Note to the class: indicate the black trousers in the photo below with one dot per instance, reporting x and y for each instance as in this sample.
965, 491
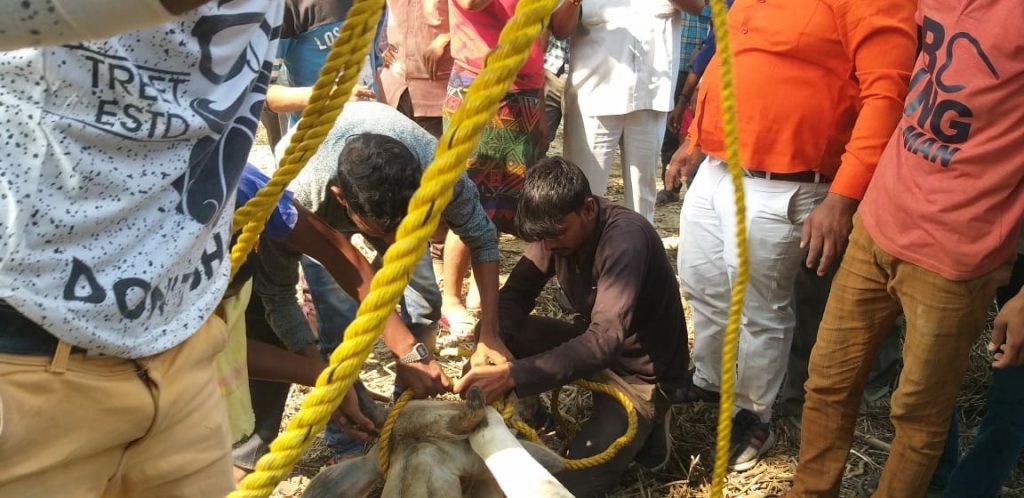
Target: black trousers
607, 420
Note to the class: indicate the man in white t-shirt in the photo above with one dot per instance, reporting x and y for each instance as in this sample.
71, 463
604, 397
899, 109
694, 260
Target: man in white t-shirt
120, 159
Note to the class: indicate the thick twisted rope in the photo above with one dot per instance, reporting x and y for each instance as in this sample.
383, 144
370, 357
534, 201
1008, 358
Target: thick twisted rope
454, 148
507, 409
732, 327
384, 442
332, 89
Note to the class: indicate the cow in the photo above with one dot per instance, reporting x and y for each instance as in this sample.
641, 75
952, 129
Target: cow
447, 449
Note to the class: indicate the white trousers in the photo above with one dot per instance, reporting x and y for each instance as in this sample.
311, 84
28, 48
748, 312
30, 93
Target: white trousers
591, 142
775, 214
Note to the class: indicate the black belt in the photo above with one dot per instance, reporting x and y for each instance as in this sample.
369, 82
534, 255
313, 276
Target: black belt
19, 335
801, 176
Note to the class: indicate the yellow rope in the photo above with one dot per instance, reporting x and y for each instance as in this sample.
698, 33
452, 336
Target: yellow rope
507, 409
332, 89
620, 442
454, 148
732, 328
329, 95
384, 442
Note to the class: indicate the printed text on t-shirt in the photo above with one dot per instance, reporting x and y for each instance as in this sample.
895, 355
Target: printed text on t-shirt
943, 122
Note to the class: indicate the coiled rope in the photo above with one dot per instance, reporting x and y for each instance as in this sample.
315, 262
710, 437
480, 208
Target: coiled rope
507, 408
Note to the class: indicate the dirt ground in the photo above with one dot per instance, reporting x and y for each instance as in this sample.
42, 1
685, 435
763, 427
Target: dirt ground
693, 431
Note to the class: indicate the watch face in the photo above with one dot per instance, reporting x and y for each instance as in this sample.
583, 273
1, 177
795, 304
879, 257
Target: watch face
421, 350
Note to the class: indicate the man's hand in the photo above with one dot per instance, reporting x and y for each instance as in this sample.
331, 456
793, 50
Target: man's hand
434, 52
675, 118
1007, 343
682, 165
827, 230
360, 92
351, 419
425, 379
493, 380
390, 55
490, 354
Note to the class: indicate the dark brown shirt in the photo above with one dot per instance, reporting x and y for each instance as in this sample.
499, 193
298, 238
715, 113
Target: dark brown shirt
622, 284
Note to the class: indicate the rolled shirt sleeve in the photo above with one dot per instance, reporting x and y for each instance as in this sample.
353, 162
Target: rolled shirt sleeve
275, 284
466, 217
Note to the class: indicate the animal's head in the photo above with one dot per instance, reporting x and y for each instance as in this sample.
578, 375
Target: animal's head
430, 421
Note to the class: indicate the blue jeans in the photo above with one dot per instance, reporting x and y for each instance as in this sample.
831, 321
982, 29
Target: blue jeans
985, 467
335, 309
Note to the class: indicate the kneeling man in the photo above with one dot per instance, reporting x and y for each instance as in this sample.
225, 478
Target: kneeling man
611, 264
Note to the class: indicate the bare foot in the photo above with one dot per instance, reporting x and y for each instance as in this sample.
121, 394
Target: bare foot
459, 321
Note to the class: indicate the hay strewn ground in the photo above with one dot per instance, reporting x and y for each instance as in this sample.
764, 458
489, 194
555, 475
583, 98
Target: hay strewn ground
693, 432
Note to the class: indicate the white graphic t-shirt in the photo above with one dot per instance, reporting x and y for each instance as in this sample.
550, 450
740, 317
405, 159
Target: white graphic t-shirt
118, 170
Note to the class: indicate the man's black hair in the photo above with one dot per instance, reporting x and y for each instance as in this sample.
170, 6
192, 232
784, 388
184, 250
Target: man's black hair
378, 175
553, 188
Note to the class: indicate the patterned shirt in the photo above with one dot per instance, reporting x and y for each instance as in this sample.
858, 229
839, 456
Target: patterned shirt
695, 28
119, 171
556, 56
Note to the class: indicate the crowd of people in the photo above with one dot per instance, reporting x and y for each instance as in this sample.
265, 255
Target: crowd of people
879, 144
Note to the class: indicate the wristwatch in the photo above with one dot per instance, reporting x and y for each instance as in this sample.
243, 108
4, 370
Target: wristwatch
419, 353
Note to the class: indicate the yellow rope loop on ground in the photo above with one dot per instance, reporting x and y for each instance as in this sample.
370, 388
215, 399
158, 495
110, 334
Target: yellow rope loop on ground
507, 407
384, 442
631, 427
730, 344
332, 89
454, 148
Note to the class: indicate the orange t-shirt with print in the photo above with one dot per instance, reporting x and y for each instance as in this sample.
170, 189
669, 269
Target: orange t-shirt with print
948, 193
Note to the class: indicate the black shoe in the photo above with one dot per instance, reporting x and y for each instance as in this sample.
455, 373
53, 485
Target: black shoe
666, 197
657, 449
690, 393
751, 438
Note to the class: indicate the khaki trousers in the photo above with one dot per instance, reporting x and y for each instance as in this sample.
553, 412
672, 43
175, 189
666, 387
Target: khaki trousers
944, 318
77, 426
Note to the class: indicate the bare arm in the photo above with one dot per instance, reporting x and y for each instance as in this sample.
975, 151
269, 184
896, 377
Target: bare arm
565, 18
349, 268
270, 363
178, 7
473, 4
71, 21
692, 7
353, 274
282, 98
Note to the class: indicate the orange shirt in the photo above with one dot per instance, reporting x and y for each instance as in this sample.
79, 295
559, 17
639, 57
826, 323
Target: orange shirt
819, 86
949, 192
